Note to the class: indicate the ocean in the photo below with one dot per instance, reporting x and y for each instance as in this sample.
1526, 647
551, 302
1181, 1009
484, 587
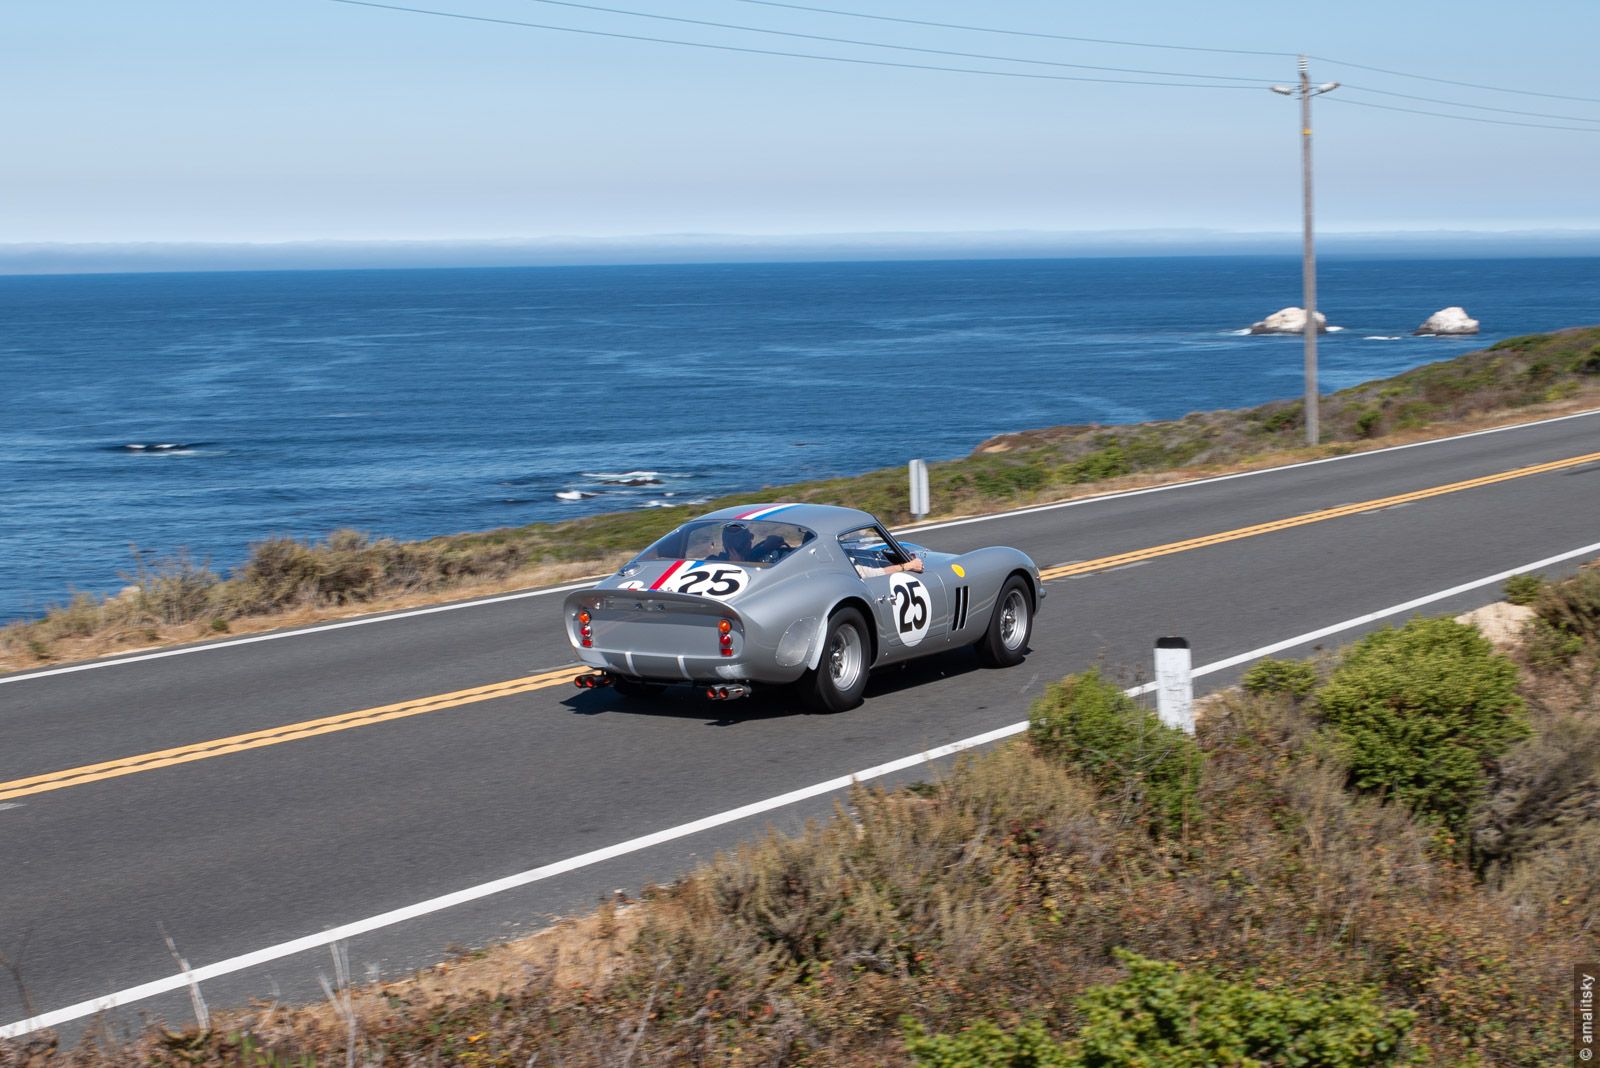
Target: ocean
201, 412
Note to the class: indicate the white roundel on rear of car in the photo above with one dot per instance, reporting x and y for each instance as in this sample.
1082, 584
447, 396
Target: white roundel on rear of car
911, 607
709, 579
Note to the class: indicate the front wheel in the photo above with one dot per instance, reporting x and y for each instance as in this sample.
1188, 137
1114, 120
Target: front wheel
840, 677
1010, 627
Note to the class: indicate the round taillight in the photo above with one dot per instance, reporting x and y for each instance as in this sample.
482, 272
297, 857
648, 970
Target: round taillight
724, 626
727, 641
583, 617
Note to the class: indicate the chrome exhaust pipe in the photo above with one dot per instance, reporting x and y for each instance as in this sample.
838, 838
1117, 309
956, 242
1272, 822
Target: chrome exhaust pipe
727, 693
589, 682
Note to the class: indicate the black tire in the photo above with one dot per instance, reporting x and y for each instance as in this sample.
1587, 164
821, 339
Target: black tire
1010, 626
635, 690
841, 676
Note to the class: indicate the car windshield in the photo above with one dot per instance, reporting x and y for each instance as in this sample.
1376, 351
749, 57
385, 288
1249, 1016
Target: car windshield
751, 542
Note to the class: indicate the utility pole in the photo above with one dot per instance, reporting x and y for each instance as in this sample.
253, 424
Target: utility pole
1308, 269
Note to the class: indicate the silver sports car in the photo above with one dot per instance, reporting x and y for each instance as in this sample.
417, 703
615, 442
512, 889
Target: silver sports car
807, 594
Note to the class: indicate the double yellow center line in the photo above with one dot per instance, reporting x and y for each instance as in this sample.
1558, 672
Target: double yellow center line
57, 780
166, 758
1106, 563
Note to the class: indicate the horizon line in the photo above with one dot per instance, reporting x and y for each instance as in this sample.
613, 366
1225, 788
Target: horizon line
124, 257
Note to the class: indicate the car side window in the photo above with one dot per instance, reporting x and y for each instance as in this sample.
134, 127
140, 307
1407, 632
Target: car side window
868, 547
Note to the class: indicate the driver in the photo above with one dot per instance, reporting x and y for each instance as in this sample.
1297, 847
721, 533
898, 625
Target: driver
739, 544
736, 542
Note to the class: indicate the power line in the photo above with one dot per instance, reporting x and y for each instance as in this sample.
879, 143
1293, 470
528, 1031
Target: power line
895, 47
1014, 33
1475, 107
1148, 44
1461, 118
789, 55
1447, 81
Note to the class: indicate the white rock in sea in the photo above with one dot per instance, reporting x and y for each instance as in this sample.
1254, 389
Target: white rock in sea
1448, 321
1288, 321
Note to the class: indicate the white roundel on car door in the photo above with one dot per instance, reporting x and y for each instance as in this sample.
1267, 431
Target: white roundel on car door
911, 606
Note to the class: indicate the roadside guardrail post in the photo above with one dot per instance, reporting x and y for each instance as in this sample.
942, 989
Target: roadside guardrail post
1174, 684
919, 489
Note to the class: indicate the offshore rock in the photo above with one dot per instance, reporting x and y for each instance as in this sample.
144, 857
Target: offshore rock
1288, 321
1448, 321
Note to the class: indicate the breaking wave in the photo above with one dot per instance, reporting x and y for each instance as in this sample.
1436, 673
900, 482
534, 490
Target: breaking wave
169, 448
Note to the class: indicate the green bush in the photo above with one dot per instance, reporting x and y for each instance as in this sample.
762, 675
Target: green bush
1523, 589
1162, 1016
983, 1045
1421, 712
1270, 676
1099, 465
1087, 723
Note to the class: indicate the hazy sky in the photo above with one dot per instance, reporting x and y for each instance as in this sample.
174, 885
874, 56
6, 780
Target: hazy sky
248, 120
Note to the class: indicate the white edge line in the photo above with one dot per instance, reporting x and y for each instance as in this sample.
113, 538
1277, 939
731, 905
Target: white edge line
584, 860
1076, 502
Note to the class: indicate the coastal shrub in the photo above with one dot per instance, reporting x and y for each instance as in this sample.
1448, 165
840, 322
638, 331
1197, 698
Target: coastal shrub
1546, 794
1555, 882
1540, 372
1278, 417
1292, 677
983, 1045
1166, 1016
1087, 723
1522, 589
1366, 422
1109, 462
1572, 606
171, 589
1420, 714
1548, 648
1007, 477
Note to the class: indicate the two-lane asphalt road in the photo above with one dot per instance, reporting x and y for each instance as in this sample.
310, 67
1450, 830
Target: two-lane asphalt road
431, 778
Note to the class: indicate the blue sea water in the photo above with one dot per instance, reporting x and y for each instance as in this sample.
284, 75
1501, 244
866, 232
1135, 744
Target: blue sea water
205, 411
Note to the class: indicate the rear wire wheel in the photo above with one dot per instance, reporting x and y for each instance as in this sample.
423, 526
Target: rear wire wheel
840, 677
1010, 626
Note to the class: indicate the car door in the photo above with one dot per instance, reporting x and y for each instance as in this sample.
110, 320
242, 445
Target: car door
909, 608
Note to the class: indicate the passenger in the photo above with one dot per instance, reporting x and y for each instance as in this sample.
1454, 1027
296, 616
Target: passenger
914, 565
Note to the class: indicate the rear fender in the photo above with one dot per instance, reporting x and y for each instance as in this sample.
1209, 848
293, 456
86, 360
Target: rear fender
819, 641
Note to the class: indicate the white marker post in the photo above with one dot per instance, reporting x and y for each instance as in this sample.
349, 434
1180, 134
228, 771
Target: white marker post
919, 488
1174, 684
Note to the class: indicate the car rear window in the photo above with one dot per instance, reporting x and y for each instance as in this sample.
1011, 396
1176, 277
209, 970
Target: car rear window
749, 542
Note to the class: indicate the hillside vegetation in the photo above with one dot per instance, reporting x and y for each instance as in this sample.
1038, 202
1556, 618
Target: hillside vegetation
175, 598
1381, 857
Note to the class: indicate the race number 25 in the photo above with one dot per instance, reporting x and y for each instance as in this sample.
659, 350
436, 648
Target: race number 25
913, 610
711, 581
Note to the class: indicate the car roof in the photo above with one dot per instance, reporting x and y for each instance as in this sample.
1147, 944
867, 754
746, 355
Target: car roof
826, 519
